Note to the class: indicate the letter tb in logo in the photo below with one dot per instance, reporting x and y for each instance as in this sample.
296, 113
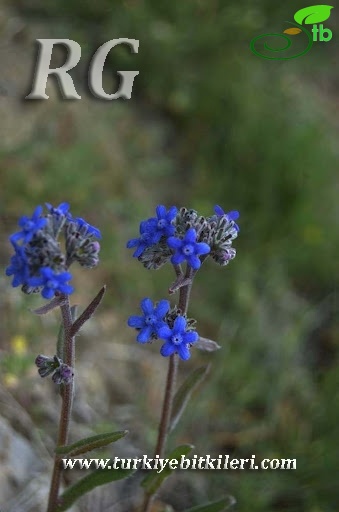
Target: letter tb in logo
313, 15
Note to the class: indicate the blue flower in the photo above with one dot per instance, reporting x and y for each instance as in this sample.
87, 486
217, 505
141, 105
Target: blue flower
90, 230
164, 220
151, 321
29, 226
18, 267
153, 229
51, 282
188, 249
177, 340
230, 216
60, 210
149, 235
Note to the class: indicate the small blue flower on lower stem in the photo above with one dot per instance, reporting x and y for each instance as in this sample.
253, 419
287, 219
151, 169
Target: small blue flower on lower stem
29, 226
188, 249
177, 340
18, 267
151, 321
231, 216
52, 282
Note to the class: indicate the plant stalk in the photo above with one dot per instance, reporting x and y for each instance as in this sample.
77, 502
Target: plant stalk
67, 391
184, 295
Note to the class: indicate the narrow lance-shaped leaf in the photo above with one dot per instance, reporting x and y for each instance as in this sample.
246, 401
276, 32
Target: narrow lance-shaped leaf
88, 312
89, 482
60, 300
153, 480
184, 393
313, 14
90, 443
215, 506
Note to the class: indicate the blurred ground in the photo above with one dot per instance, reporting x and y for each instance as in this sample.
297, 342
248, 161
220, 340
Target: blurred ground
208, 123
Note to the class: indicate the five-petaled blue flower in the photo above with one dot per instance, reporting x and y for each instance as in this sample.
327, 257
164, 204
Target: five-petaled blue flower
188, 249
177, 340
52, 282
151, 321
29, 226
153, 229
231, 216
18, 267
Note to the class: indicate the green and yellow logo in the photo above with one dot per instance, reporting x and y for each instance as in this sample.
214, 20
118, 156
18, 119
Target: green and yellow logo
313, 15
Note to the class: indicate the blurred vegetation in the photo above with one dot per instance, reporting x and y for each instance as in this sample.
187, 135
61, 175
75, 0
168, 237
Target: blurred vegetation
210, 123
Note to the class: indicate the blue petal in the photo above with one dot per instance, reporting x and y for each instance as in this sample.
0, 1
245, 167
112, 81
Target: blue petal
161, 211
179, 324
168, 349
174, 243
191, 337
164, 332
136, 321
194, 261
47, 293
162, 308
172, 212
190, 236
184, 352
147, 306
218, 210
145, 334
132, 243
177, 258
233, 215
202, 248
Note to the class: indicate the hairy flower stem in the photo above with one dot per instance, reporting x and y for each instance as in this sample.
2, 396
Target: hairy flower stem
66, 406
184, 296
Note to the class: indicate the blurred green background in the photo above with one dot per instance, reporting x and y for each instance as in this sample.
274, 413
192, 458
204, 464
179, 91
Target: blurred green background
208, 123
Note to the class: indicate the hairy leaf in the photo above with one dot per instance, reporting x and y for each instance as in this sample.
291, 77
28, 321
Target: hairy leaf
313, 14
184, 393
89, 482
90, 443
88, 312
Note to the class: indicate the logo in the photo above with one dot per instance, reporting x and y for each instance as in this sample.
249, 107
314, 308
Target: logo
313, 15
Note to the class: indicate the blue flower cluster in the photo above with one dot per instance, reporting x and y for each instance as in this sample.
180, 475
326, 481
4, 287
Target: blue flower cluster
153, 324
182, 236
38, 263
179, 236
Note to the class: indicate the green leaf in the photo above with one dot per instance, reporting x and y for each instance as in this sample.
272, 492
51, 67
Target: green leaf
184, 393
214, 506
90, 443
313, 14
153, 480
89, 482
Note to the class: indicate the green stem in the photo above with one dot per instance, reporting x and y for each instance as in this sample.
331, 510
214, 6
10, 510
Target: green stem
184, 296
66, 406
